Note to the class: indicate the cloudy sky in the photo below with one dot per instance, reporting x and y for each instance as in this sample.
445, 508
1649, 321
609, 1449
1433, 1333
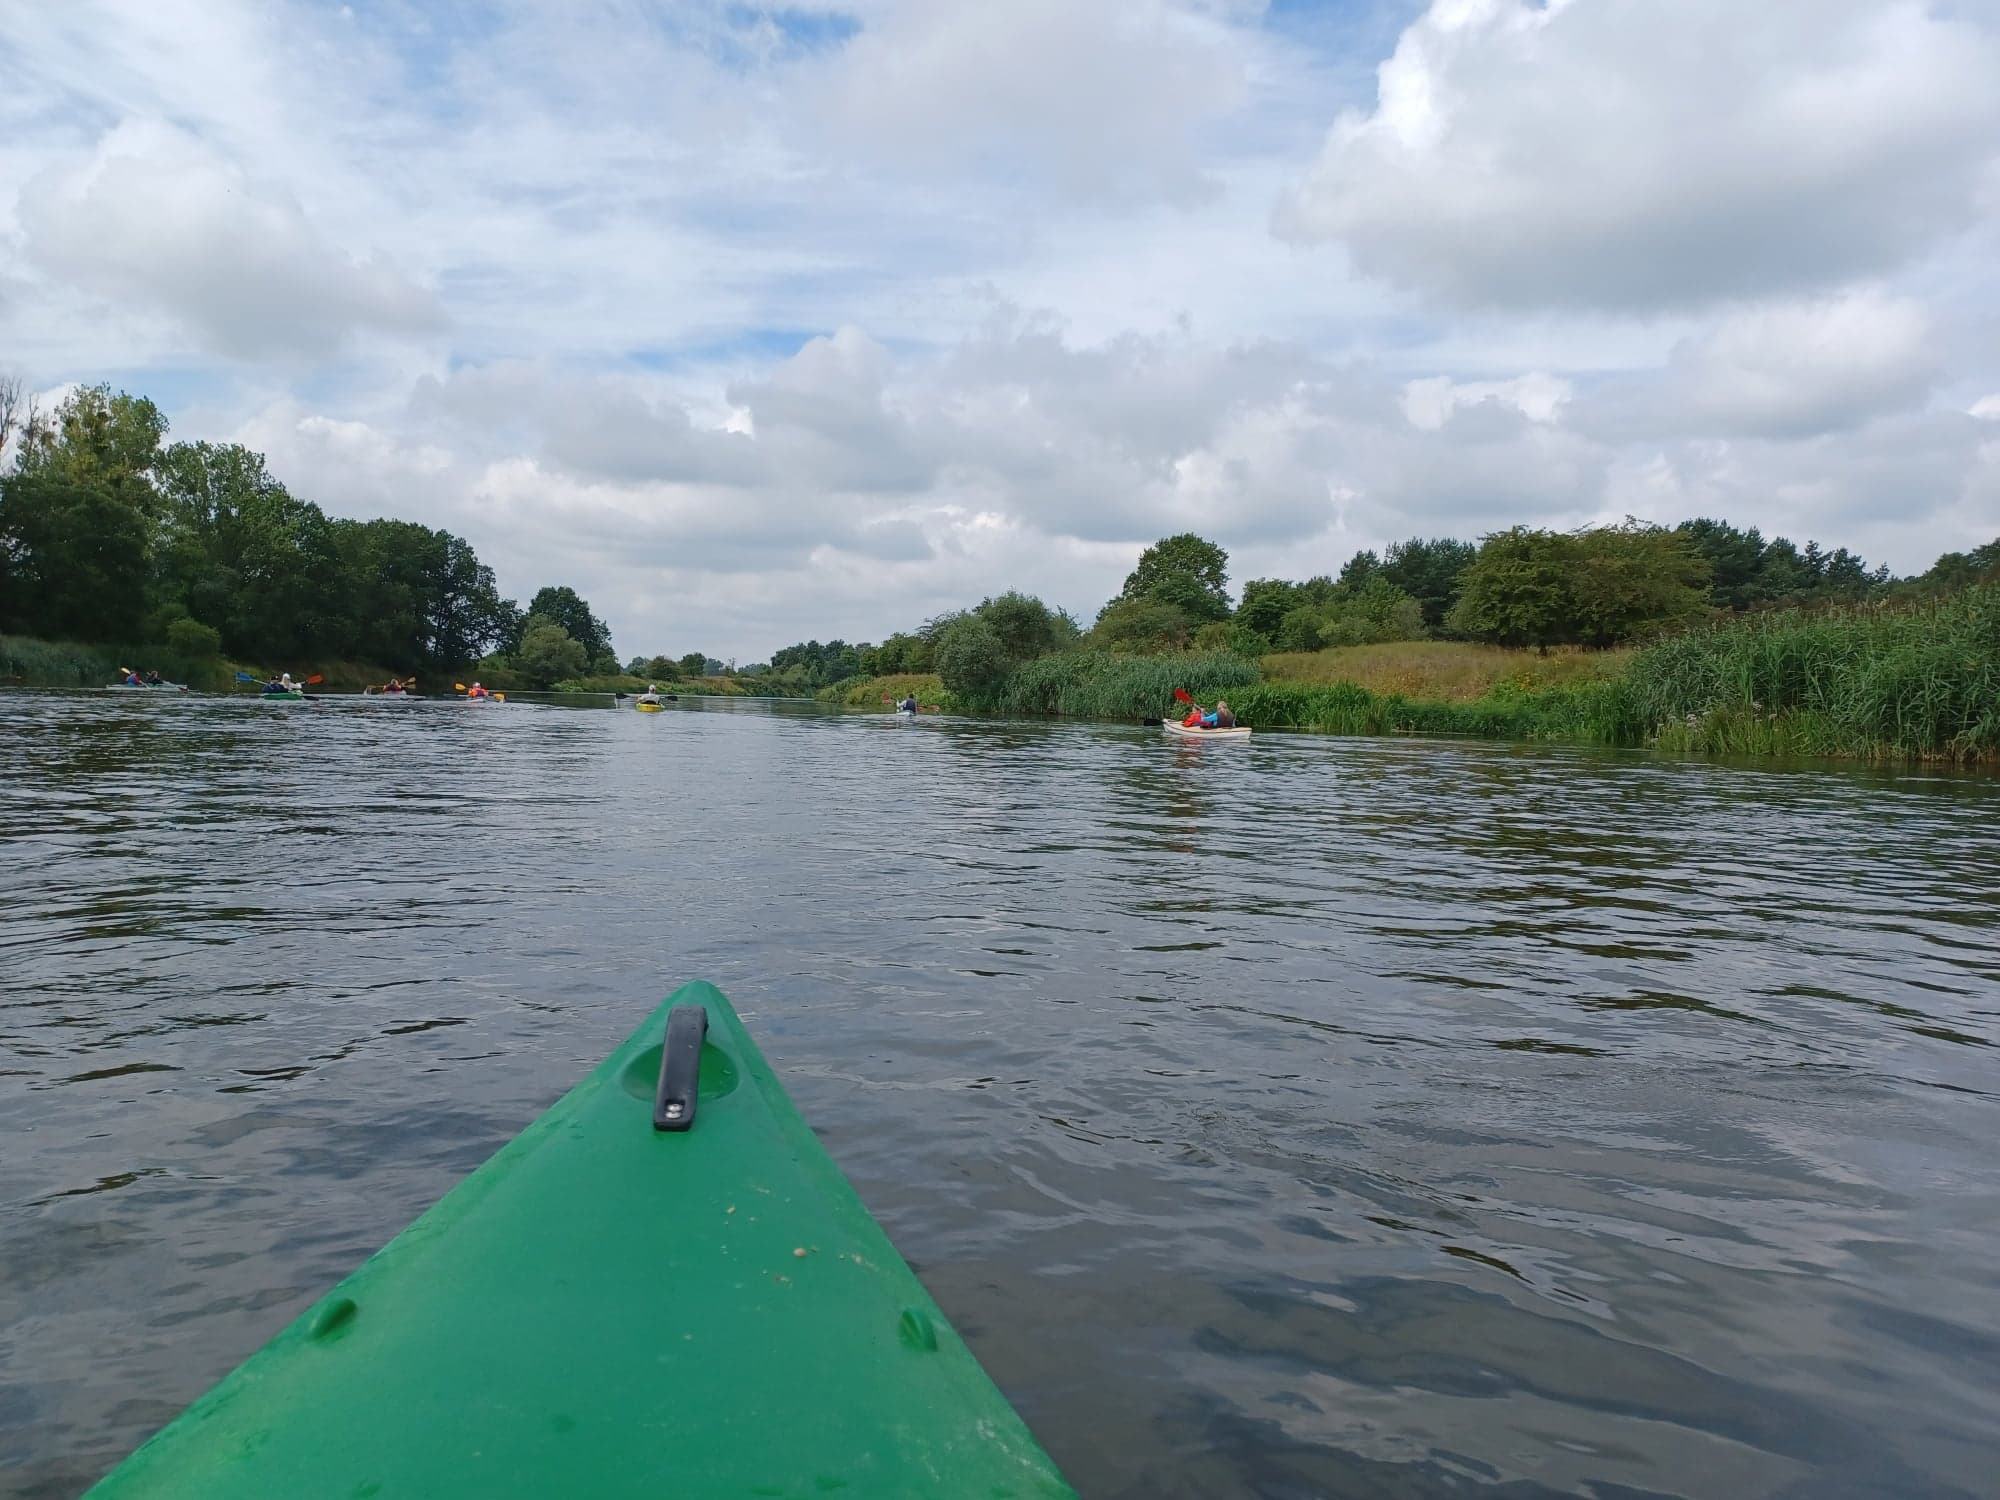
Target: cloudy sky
761, 323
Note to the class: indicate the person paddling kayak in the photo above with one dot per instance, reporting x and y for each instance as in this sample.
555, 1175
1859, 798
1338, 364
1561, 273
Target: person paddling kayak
908, 705
1219, 718
652, 693
476, 691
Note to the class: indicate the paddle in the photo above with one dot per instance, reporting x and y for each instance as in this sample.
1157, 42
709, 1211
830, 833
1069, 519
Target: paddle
316, 677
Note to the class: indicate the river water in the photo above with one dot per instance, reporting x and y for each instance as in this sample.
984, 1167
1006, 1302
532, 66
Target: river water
1306, 1117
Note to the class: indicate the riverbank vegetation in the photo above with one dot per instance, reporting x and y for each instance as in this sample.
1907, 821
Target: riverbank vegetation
1700, 637
189, 558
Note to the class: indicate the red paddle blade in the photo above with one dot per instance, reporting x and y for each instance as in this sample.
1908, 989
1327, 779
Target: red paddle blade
1181, 695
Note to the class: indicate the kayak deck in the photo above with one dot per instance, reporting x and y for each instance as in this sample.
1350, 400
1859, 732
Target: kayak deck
1181, 731
610, 1309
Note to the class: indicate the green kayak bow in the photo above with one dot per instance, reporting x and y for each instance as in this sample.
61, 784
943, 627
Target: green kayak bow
662, 1288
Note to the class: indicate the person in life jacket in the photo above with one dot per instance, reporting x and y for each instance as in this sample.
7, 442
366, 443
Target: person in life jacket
1195, 717
475, 691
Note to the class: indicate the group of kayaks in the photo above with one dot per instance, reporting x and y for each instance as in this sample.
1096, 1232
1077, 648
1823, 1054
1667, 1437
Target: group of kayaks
661, 1287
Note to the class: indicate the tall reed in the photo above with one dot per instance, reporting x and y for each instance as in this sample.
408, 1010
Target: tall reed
1103, 685
1912, 682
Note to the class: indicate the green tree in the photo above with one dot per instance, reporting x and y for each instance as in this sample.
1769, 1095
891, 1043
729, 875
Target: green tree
192, 638
1142, 626
78, 518
1359, 571
75, 559
1429, 571
1027, 628
1266, 602
1517, 591
568, 609
1185, 571
695, 663
1634, 579
547, 654
1735, 560
1596, 587
972, 660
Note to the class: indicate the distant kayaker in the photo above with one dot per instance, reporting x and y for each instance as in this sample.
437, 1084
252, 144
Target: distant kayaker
132, 680
475, 691
152, 679
652, 693
908, 705
1222, 718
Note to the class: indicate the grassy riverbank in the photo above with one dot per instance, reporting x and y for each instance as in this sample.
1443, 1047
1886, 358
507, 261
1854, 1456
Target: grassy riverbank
1444, 671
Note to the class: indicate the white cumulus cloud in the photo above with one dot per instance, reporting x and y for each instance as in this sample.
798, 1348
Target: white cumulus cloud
155, 217
1648, 154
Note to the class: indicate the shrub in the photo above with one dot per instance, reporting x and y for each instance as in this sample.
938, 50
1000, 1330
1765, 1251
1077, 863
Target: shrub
192, 638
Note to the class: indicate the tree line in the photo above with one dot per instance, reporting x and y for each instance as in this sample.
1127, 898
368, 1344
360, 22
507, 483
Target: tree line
110, 534
1524, 587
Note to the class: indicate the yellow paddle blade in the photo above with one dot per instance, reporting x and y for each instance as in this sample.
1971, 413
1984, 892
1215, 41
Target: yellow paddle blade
459, 685
499, 697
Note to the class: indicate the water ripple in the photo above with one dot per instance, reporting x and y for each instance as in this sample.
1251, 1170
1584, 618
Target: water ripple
1308, 1117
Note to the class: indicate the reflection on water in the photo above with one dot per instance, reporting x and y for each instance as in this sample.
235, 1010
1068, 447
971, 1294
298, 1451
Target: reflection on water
1302, 1117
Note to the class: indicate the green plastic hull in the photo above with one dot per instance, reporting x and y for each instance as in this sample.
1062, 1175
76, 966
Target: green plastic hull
608, 1310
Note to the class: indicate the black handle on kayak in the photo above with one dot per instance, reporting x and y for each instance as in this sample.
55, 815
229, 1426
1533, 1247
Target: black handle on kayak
680, 1068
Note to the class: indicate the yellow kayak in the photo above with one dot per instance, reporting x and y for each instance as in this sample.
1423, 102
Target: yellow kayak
650, 708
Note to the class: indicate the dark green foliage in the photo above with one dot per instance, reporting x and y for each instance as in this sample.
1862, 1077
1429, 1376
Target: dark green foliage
1958, 570
1266, 602
193, 639
1141, 625
695, 663
1026, 626
975, 651
547, 653
972, 661
809, 666
1359, 571
1746, 572
571, 611
75, 558
1597, 587
1516, 593
1429, 572
1186, 572
901, 654
105, 536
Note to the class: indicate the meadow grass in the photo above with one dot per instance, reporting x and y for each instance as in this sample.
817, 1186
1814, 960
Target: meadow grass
1443, 671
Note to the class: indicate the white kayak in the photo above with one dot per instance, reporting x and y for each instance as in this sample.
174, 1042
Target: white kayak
369, 697
1179, 731
169, 689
